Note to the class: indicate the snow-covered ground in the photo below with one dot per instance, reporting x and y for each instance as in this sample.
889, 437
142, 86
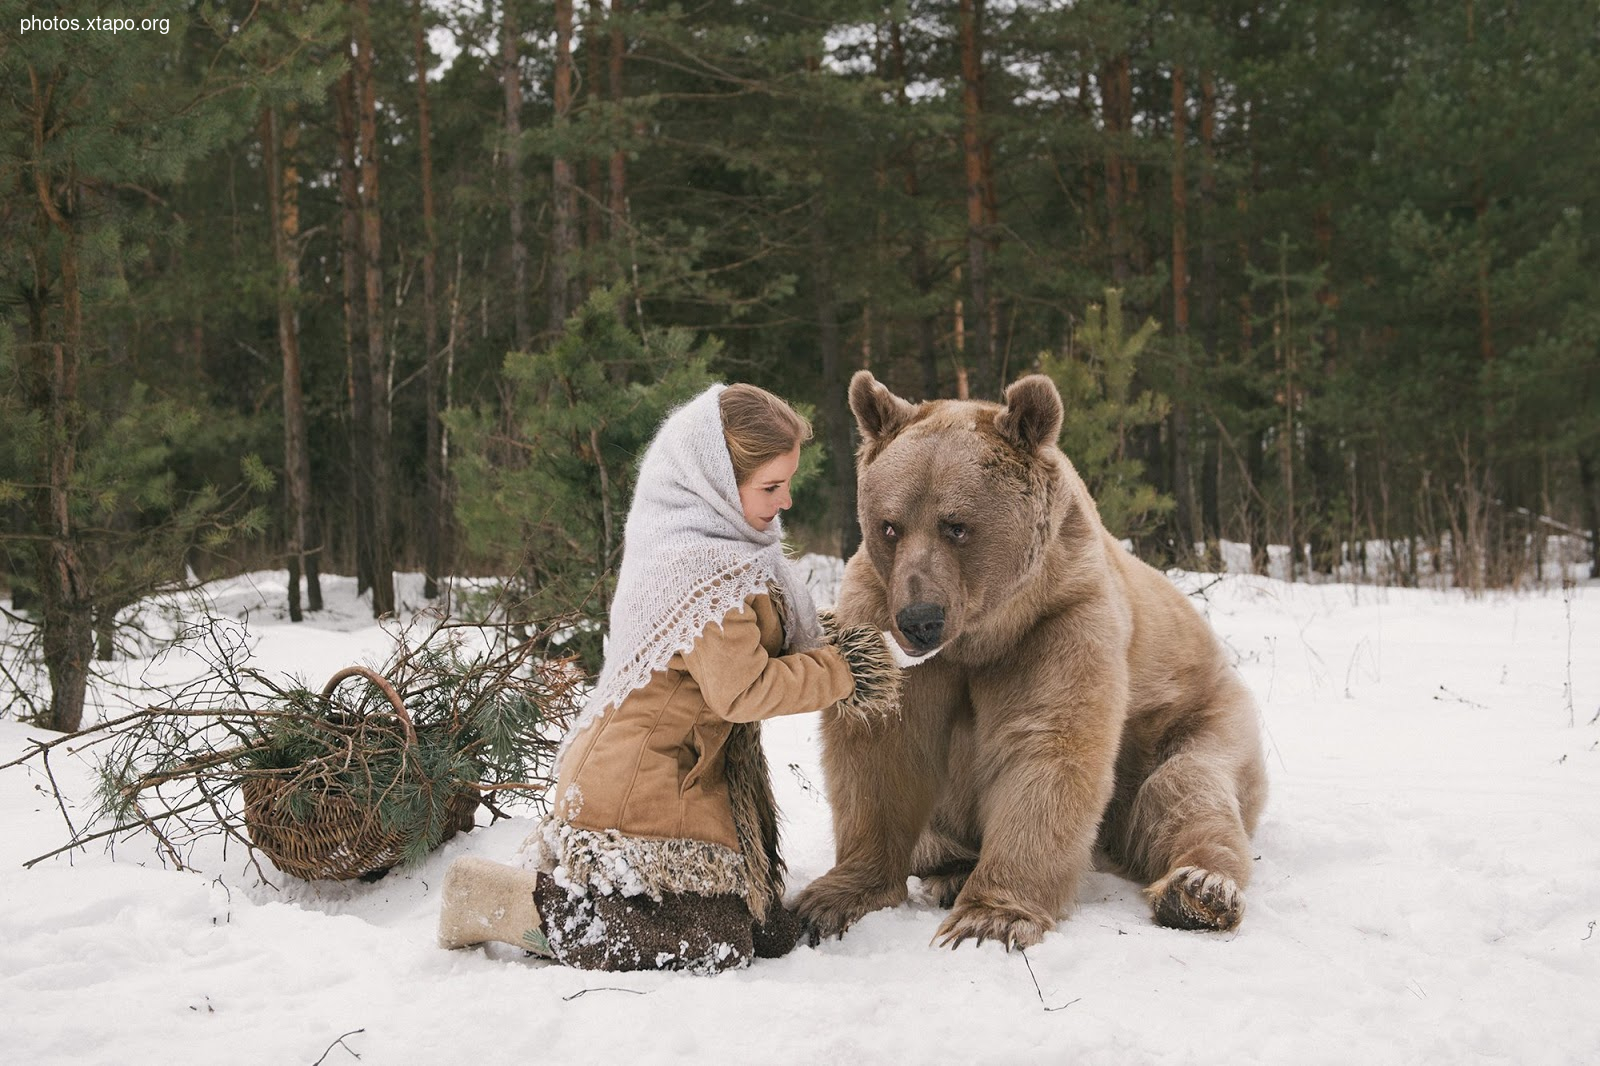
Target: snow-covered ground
1427, 891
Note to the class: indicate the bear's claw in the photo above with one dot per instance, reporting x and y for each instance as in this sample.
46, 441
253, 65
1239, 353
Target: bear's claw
1193, 898
1011, 927
831, 904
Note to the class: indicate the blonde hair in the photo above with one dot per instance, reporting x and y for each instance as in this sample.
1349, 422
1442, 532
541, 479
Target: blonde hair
758, 427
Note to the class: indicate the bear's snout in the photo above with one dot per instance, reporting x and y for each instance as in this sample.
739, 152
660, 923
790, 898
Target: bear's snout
922, 624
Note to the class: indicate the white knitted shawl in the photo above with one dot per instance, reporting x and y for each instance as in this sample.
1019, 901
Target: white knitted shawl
689, 558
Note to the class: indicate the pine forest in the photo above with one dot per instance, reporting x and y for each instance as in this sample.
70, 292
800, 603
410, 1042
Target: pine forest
372, 286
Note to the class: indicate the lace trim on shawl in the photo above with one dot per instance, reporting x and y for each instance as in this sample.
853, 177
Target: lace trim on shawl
710, 601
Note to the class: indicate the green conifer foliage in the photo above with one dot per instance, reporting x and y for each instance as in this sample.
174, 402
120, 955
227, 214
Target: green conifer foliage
547, 479
98, 124
1096, 379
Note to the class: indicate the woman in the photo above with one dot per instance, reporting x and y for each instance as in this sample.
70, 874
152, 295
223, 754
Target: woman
661, 850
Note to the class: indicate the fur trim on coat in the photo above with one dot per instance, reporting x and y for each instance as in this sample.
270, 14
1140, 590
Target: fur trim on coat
878, 679
608, 861
755, 817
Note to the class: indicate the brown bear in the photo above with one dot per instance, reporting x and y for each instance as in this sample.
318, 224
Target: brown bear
1076, 696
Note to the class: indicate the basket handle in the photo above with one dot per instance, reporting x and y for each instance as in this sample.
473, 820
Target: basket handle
383, 686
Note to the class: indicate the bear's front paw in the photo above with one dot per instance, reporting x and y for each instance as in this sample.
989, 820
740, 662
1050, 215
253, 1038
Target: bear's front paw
1011, 925
1192, 898
833, 903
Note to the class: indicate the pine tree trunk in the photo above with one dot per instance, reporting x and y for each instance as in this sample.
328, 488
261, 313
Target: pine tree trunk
618, 227
67, 622
991, 227
376, 431
1115, 120
1589, 481
453, 330
594, 197
310, 526
1182, 471
511, 85
436, 511
985, 380
921, 265
1285, 343
1255, 512
1134, 247
1210, 299
283, 199
1323, 471
288, 354
835, 383
563, 186
617, 191
50, 376
357, 379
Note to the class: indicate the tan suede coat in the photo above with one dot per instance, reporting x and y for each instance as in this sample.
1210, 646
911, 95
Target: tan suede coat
653, 767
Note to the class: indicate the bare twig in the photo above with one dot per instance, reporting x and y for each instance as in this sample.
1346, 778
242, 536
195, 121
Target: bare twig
586, 991
519, 786
108, 728
1204, 591
80, 841
1040, 992
19, 691
804, 781
61, 803
338, 1043
1456, 697
174, 771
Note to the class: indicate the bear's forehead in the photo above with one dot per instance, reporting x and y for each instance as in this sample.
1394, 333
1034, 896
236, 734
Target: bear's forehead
959, 436
950, 463
961, 416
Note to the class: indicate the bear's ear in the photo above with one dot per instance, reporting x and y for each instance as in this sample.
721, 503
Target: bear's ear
879, 412
1032, 415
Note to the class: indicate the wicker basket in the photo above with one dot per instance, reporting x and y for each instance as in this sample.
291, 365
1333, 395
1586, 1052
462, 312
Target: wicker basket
341, 839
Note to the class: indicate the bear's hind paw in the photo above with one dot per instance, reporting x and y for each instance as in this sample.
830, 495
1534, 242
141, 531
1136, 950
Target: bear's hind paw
942, 882
1193, 898
942, 889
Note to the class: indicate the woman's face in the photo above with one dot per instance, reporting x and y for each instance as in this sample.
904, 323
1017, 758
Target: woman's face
766, 491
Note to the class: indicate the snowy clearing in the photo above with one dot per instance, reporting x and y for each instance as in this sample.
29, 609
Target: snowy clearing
1427, 891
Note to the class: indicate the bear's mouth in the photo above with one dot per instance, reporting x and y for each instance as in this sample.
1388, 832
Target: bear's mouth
906, 659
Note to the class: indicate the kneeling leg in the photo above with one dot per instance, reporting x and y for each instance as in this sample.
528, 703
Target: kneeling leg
681, 931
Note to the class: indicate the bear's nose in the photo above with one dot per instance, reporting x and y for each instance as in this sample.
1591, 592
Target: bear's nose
922, 624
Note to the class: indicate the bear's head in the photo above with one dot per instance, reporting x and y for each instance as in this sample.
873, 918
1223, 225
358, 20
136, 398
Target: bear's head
958, 501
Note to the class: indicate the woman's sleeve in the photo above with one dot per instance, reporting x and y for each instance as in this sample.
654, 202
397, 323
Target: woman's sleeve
740, 682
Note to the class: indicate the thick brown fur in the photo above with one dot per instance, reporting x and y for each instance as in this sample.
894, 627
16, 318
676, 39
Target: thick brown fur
1076, 697
877, 678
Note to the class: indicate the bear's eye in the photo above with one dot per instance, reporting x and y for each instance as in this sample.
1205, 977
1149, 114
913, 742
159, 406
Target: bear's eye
956, 531
891, 531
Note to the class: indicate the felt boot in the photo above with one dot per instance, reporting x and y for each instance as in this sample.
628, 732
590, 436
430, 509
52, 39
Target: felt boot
485, 901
